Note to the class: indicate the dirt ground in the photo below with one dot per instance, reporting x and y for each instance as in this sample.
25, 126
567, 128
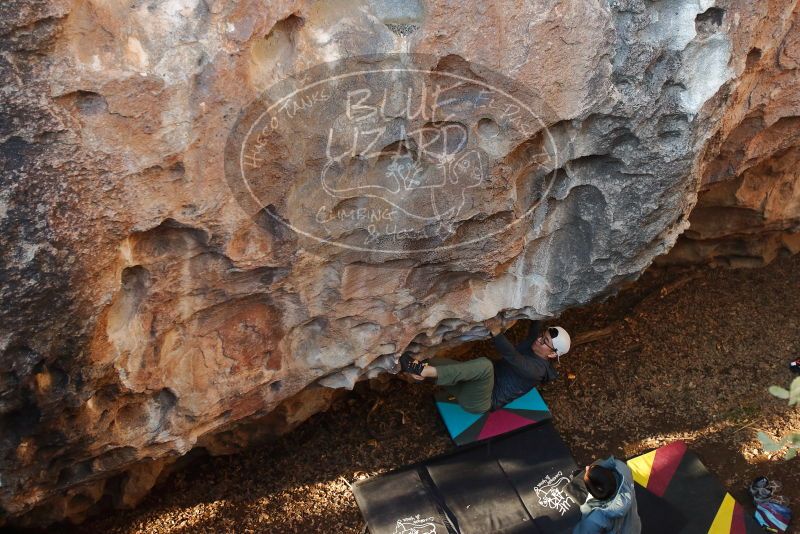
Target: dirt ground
690, 356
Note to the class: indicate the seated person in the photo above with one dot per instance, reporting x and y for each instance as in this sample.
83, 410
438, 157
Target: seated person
610, 506
480, 385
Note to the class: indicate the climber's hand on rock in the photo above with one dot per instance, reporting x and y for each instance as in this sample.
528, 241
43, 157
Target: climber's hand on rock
494, 325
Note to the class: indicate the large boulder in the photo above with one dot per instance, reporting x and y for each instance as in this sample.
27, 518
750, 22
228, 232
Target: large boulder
748, 210
217, 215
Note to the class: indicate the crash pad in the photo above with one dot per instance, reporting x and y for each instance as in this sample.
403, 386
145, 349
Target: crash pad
514, 483
540, 466
674, 476
522, 482
465, 427
400, 502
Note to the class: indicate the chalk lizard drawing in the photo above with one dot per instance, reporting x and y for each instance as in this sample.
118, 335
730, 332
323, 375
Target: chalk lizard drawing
434, 188
551, 493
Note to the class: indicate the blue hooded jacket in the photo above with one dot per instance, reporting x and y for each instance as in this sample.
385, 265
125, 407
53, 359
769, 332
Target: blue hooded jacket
617, 515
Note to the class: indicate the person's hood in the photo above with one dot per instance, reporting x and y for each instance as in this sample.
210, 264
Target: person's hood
620, 503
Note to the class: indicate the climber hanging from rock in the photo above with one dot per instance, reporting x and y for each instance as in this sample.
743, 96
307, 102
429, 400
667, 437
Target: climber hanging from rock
481, 385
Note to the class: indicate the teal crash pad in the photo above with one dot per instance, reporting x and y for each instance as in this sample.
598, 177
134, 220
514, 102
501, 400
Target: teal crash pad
465, 427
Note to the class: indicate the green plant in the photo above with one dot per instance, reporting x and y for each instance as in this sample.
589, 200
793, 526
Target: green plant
792, 439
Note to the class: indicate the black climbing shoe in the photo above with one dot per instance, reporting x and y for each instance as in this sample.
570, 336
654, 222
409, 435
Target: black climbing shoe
409, 365
795, 366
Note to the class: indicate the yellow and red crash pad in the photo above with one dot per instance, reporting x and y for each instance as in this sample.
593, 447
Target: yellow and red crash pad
674, 476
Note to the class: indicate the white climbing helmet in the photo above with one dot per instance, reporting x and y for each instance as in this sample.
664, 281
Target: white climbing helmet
561, 341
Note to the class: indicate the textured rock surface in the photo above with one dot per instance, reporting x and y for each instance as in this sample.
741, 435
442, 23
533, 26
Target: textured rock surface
748, 209
146, 312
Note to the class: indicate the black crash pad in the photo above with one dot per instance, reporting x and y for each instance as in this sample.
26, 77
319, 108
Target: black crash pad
517, 483
539, 465
400, 502
478, 493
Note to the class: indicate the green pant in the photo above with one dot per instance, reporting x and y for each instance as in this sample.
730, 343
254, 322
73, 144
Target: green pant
470, 382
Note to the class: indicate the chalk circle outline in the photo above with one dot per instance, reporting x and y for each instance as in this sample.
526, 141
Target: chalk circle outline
241, 178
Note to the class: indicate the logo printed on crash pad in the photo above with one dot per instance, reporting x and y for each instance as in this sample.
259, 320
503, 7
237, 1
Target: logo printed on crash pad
415, 525
551, 493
